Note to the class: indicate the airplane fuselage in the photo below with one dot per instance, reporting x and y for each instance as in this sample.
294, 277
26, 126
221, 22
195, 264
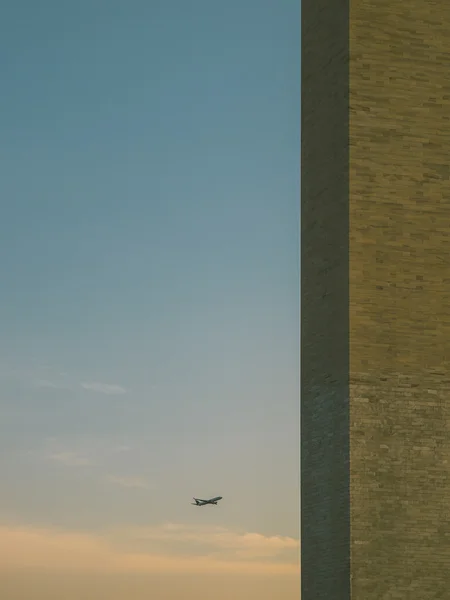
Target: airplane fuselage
199, 502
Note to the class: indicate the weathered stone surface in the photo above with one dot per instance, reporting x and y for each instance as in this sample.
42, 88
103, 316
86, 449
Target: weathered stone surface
375, 300
400, 298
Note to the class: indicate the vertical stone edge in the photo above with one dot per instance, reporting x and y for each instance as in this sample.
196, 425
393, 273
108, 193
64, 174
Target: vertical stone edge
325, 479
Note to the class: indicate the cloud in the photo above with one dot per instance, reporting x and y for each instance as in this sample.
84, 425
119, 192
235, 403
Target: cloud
79, 451
49, 378
104, 388
54, 385
129, 482
62, 551
229, 543
70, 459
40, 376
121, 448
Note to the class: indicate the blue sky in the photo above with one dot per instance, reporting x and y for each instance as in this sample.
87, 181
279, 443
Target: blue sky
149, 341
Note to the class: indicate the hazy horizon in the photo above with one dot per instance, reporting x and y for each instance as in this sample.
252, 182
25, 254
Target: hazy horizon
149, 350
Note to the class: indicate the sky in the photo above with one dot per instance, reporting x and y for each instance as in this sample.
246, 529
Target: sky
149, 305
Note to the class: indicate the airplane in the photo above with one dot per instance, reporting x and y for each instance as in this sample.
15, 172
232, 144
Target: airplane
199, 502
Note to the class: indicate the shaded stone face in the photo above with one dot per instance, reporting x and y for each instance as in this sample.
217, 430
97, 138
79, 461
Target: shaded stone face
325, 526
376, 300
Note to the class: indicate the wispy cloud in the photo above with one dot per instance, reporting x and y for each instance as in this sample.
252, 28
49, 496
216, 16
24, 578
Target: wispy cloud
226, 542
103, 388
46, 377
28, 547
54, 385
129, 482
69, 459
35, 374
121, 448
79, 451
